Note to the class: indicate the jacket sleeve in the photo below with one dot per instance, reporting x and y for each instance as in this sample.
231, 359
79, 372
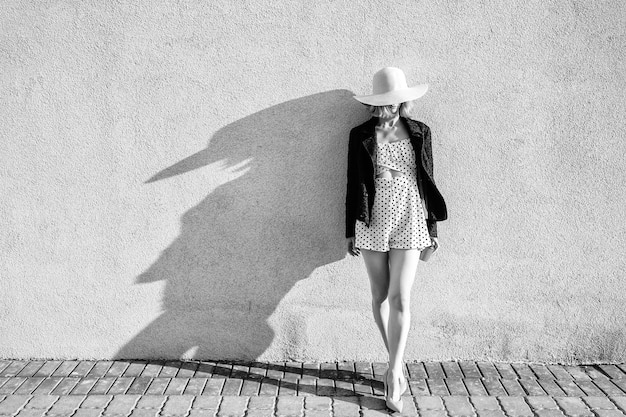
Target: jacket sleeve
352, 187
432, 224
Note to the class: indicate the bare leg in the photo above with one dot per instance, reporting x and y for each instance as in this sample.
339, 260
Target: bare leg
377, 264
402, 269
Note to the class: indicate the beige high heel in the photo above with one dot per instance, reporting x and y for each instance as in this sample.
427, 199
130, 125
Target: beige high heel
395, 405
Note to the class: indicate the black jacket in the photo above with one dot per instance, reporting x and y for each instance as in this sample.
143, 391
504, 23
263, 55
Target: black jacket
362, 173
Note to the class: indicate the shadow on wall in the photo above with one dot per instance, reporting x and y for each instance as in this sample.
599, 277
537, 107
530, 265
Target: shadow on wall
249, 241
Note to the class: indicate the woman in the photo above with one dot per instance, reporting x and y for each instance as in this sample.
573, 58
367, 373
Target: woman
392, 209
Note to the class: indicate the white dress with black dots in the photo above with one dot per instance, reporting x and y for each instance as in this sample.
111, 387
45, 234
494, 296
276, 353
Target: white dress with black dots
398, 220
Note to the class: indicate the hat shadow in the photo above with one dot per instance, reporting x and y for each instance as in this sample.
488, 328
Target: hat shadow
244, 246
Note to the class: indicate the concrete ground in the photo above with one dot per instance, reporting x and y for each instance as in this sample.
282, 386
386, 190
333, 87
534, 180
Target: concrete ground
255, 389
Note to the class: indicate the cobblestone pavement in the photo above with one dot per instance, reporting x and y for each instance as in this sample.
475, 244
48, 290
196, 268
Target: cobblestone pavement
255, 389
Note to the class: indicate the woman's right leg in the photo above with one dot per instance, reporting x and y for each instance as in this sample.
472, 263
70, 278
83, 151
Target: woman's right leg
377, 264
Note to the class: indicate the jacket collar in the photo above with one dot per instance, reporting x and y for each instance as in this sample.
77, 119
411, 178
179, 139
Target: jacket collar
368, 132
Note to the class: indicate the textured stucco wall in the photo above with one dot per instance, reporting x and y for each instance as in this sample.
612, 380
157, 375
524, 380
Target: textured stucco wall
173, 175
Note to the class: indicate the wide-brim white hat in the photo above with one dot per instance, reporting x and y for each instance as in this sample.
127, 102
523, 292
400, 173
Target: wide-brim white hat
389, 87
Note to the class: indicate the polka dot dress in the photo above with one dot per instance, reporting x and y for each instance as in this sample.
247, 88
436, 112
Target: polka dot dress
398, 220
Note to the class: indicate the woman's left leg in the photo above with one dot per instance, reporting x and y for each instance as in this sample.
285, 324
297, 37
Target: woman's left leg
402, 270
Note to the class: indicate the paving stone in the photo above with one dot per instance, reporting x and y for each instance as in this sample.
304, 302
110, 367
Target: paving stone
488, 370
484, 402
232, 386
233, 405
256, 413
82, 369
41, 402
570, 387
176, 386
541, 371
416, 370
47, 385
456, 386
429, 403
418, 387
14, 368
151, 401
346, 406
84, 386
158, 386
600, 403
452, 370
434, 370
457, 405
317, 413
373, 413
96, 401
135, 368
28, 386
102, 386
11, 385
608, 387
260, 403
99, 369
620, 401
493, 386
152, 369
65, 368
489, 413
212, 413
573, 406
139, 385
549, 412
144, 412
318, 403
475, 386
431, 413
470, 369
437, 387
120, 385
609, 413
541, 402
121, 404
505, 370
48, 368
65, 386
288, 406
551, 387
88, 412
515, 406
31, 412
512, 387
177, 405
251, 387
344, 389
532, 387
372, 403
613, 371
31, 368
66, 405
13, 403
117, 369
559, 372
195, 386
213, 386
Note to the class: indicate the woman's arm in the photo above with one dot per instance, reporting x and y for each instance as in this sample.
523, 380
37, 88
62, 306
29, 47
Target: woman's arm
352, 187
428, 148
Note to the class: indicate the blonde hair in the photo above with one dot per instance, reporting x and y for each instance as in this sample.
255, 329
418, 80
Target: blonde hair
385, 111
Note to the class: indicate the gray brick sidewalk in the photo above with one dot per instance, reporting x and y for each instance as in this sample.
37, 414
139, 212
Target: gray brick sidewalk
255, 389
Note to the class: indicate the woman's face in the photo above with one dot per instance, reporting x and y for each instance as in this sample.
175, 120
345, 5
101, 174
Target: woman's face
393, 108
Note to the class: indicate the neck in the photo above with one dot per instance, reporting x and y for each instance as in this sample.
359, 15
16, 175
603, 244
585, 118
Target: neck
388, 123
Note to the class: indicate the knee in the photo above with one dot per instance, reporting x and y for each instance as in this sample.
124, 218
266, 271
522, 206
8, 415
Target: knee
399, 301
379, 297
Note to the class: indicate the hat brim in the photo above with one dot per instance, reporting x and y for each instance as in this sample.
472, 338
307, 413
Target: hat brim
394, 97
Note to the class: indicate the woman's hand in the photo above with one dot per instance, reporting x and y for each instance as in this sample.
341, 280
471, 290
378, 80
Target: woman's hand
351, 249
435, 243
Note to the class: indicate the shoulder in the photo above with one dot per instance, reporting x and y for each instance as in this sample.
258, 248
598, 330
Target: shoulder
417, 126
361, 131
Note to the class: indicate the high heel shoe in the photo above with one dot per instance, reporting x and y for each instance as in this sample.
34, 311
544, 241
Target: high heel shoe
395, 405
